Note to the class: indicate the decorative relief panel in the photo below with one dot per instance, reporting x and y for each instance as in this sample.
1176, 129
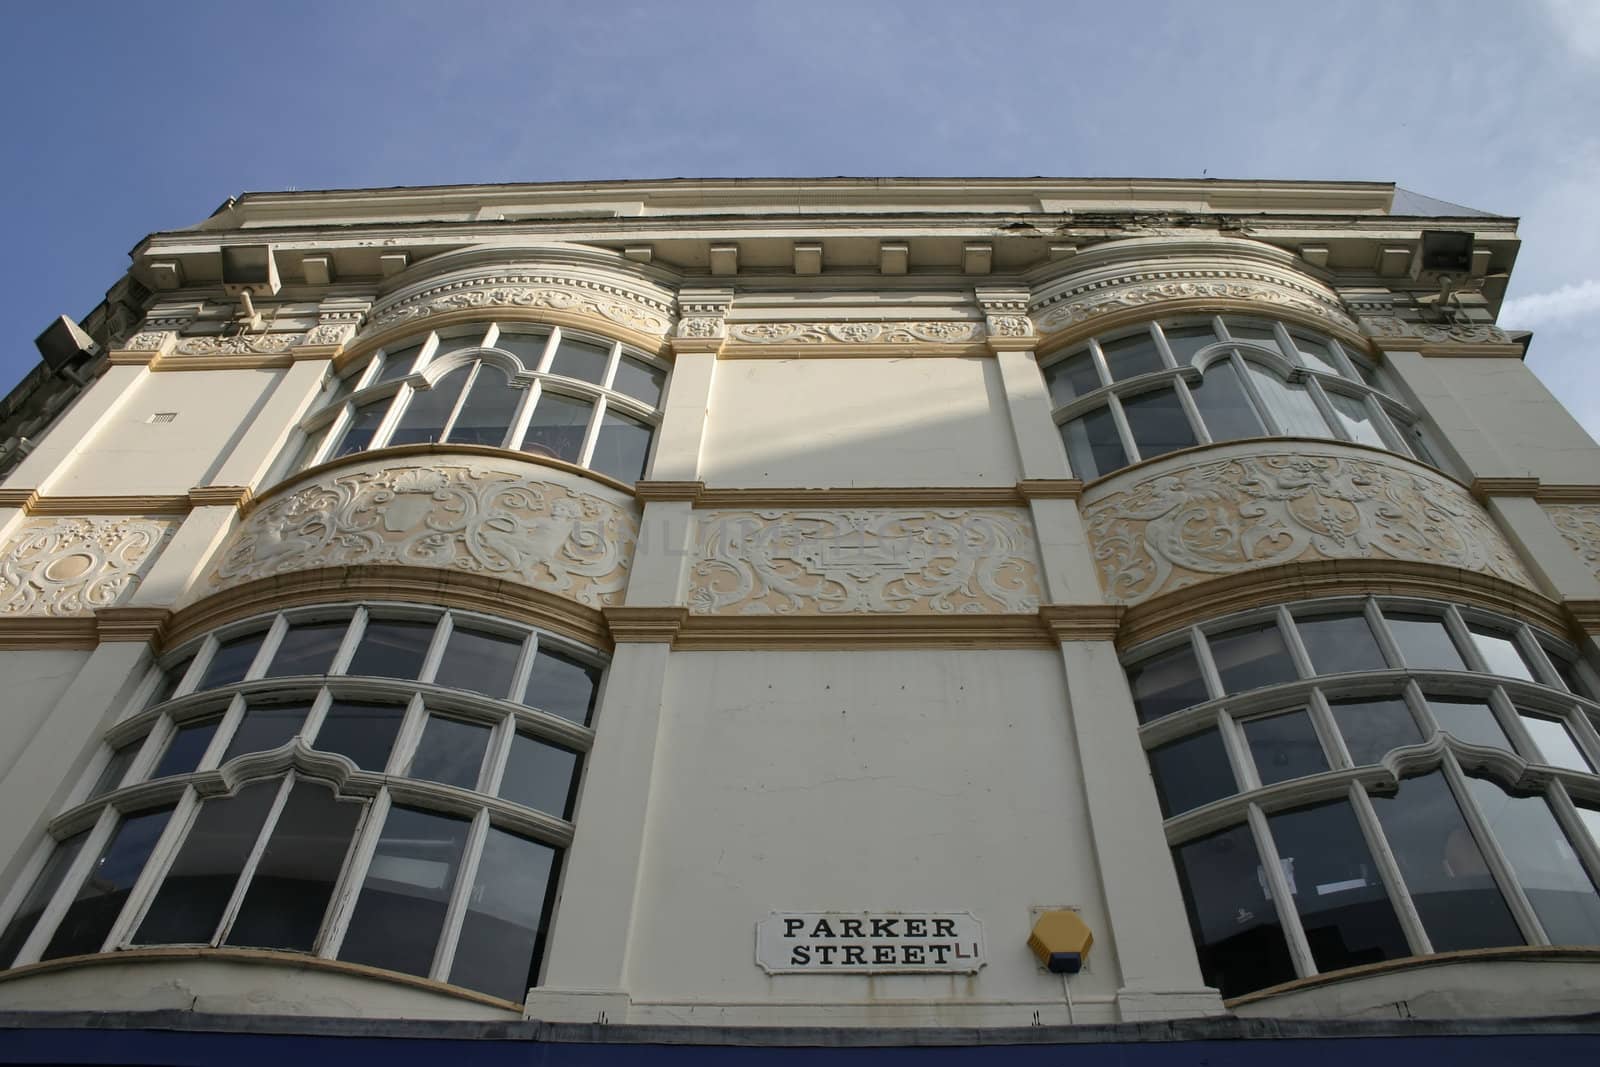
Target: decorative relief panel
74, 566
518, 525
1182, 525
855, 333
865, 560
534, 290
1146, 288
1459, 333
239, 344
1580, 525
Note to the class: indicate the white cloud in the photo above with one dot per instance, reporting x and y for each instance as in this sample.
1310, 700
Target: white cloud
1578, 23
1540, 309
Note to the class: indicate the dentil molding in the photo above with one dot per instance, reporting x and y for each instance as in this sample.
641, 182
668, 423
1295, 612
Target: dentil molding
75, 566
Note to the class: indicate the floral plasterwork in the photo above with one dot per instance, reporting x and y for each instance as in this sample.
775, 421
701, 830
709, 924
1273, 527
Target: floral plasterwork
240, 344
856, 333
864, 560
555, 292
1580, 526
1180, 527
75, 566
1144, 290
1459, 333
477, 519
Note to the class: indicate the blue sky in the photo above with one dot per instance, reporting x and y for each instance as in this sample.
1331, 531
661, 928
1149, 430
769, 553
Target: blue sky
128, 118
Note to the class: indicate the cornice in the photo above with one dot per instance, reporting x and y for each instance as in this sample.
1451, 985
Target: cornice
32, 502
866, 632
698, 494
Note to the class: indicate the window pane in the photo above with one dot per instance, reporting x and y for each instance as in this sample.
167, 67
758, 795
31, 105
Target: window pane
558, 426
621, 447
1284, 747
171, 678
1158, 422
400, 913
640, 380
1343, 905
486, 415
307, 648
1251, 657
1166, 682
200, 882
1423, 641
1317, 354
1261, 335
1450, 884
1547, 868
527, 347
1224, 408
480, 662
99, 900
1093, 445
1187, 341
1500, 653
1566, 669
1129, 356
364, 733
1296, 413
1590, 818
1471, 721
539, 776
397, 363
1340, 643
1371, 728
363, 425
562, 686
451, 752
1235, 926
1073, 377
392, 648
294, 880
186, 749
503, 928
265, 727
1356, 419
1191, 772
116, 767
580, 359
428, 409
43, 891
231, 660
1555, 744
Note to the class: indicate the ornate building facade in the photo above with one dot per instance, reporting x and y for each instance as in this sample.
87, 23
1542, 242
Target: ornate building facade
1000, 613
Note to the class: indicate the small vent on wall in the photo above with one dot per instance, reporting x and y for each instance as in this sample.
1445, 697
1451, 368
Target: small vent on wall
162, 416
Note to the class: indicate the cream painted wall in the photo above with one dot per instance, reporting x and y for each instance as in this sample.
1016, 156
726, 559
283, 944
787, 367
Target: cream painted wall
129, 454
846, 422
850, 781
32, 681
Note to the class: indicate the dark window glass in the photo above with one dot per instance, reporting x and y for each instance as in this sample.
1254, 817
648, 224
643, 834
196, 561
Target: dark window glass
580, 359
1187, 341
1423, 641
307, 648
1224, 407
1567, 669
1158, 423
429, 409
451, 752
99, 900
1372, 728
479, 661
397, 363
1262, 335
1166, 682
170, 679
1500, 653
1444, 871
1471, 721
539, 776
1191, 772
392, 648
562, 686
265, 727
504, 924
527, 347
1251, 657
639, 380
1128, 356
1073, 377
363, 425
362, 732
1335, 885
39, 896
1340, 643
621, 447
293, 882
486, 415
186, 749
1093, 444
1317, 354
400, 913
231, 661
557, 427
117, 766
200, 882
1236, 928
1284, 747
1547, 868
1556, 744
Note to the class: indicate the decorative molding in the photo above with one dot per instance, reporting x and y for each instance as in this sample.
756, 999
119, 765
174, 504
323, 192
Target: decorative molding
1484, 488
809, 334
131, 624
645, 624
19, 498
244, 344
1142, 289
23, 632
473, 516
530, 289
1568, 494
861, 496
1585, 615
205, 496
1050, 488
75, 566
175, 504
1579, 526
1083, 622
1385, 328
945, 561
1005, 317
668, 490
793, 633
1181, 524
702, 319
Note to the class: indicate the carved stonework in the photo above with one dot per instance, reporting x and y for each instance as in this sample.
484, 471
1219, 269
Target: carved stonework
1463, 333
256, 344
1182, 526
703, 313
480, 518
74, 566
1580, 526
856, 333
149, 340
865, 560
331, 333
1148, 288
554, 291
1005, 312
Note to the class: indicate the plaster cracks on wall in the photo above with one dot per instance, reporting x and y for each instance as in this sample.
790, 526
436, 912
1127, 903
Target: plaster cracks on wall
473, 517
75, 566
1580, 526
865, 560
1183, 525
